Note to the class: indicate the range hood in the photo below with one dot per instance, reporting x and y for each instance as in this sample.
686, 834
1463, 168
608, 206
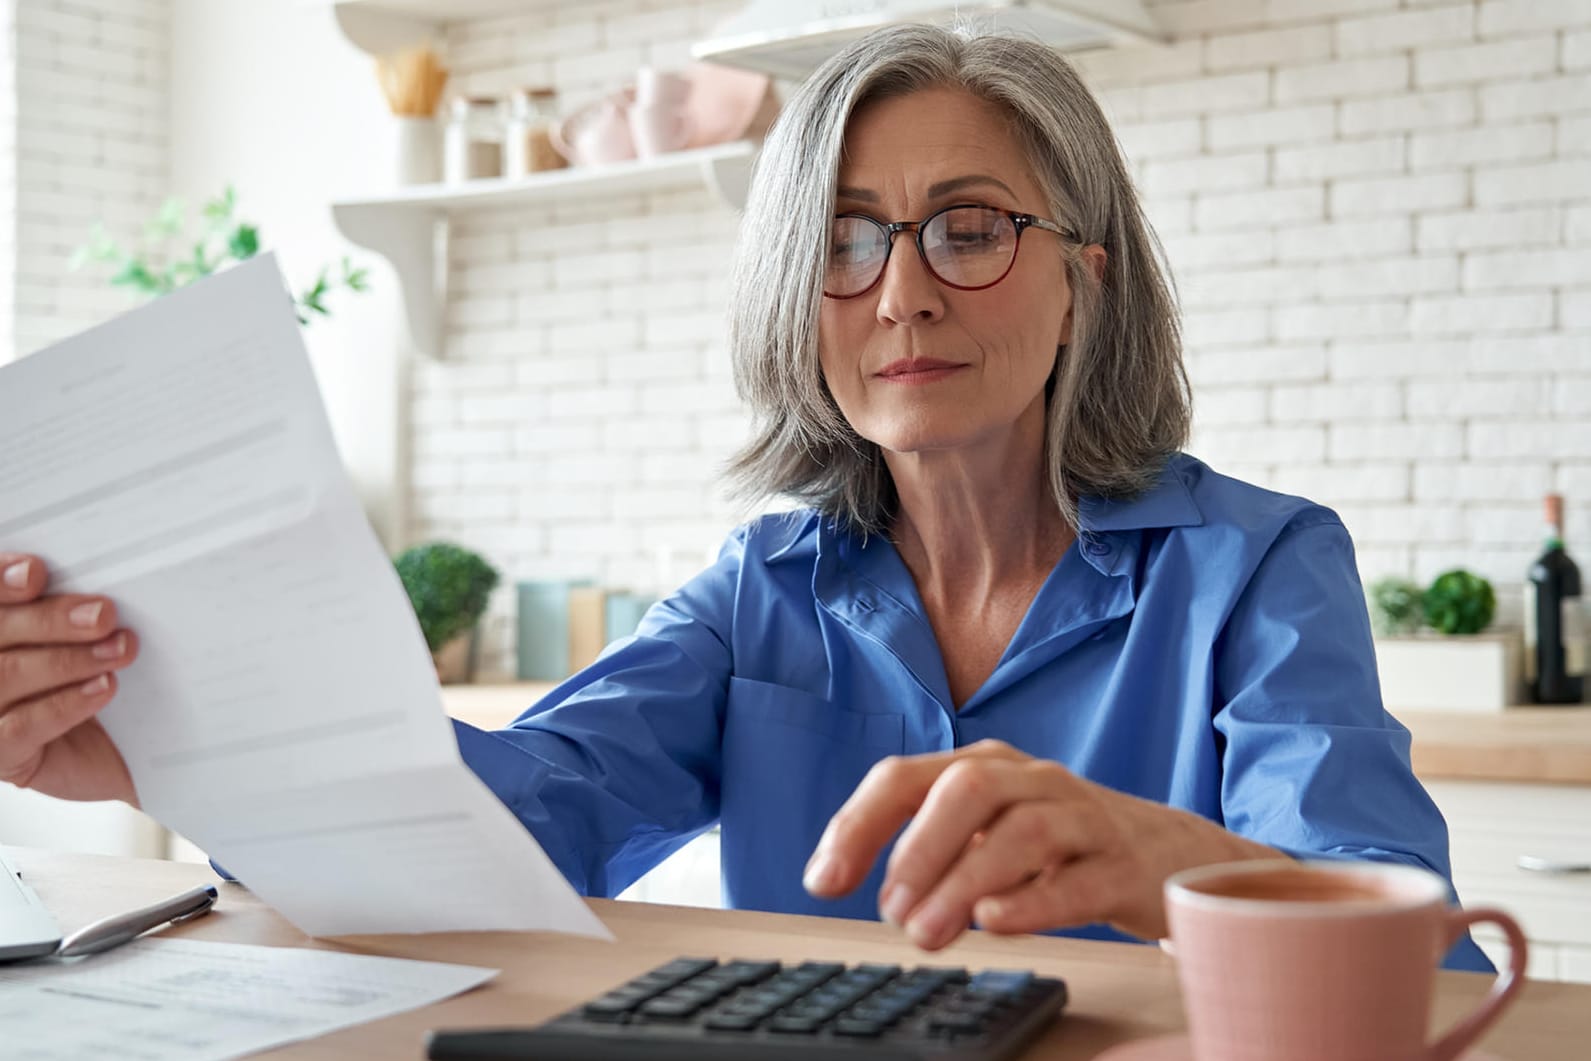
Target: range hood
789, 38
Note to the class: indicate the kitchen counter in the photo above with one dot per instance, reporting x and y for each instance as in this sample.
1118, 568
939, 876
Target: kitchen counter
1537, 745
1523, 744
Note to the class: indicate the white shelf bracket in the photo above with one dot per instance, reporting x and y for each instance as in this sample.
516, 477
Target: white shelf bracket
730, 178
415, 242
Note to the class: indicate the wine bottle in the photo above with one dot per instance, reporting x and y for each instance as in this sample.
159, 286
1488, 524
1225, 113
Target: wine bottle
1555, 629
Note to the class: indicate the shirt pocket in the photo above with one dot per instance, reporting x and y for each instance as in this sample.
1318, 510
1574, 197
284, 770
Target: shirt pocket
789, 760
764, 704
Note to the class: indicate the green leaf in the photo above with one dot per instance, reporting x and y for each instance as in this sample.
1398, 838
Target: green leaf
136, 275
245, 242
219, 210
167, 221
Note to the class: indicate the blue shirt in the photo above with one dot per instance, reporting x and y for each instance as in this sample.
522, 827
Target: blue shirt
1204, 645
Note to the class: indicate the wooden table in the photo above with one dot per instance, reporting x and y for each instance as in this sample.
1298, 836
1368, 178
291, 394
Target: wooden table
1119, 991
1528, 744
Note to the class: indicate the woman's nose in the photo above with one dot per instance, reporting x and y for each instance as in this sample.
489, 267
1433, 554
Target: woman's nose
908, 292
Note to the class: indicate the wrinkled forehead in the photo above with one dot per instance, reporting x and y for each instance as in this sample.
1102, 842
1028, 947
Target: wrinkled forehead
923, 145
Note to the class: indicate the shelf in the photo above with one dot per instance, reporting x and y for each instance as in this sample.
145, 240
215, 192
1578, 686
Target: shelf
380, 26
409, 227
790, 38
718, 166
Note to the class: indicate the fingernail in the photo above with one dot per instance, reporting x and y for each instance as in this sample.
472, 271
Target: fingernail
822, 875
85, 614
930, 925
111, 648
16, 576
896, 902
96, 686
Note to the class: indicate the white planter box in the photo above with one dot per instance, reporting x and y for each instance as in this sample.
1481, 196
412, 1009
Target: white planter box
1473, 672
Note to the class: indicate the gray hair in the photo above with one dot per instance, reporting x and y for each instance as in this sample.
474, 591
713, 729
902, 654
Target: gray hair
1119, 402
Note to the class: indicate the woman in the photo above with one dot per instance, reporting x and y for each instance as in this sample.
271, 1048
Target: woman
1015, 620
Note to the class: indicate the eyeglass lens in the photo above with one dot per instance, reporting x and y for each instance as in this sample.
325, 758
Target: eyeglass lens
964, 246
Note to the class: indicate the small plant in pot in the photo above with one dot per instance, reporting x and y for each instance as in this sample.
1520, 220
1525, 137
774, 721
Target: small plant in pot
1434, 649
448, 586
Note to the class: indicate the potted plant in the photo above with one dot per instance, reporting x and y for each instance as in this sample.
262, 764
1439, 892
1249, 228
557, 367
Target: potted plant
156, 269
1433, 648
448, 587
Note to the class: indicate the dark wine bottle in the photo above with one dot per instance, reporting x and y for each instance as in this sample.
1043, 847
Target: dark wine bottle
1555, 634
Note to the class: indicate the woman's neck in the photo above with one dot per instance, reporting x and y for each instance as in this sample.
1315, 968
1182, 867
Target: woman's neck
979, 520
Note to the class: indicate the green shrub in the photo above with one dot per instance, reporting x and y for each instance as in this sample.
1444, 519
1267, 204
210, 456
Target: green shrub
448, 587
1459, 602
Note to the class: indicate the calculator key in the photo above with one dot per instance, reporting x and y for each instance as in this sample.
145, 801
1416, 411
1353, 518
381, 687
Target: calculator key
790, 1025
667, 1008
746, 972
732, 1022
878, 970
875, 1014
686, 967
1000, 982
608, 1008
820, 969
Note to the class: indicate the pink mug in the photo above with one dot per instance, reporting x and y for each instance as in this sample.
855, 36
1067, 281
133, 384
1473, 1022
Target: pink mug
1320, 961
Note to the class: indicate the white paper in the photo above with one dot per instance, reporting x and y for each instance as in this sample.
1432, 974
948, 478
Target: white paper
189, 1000
284, 713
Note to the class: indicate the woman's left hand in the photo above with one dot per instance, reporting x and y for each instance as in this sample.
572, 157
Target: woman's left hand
1013, 843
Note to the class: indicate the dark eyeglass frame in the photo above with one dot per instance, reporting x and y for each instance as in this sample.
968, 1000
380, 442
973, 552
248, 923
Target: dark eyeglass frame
1019, 220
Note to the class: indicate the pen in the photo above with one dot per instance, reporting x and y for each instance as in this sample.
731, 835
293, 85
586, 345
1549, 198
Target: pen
114, 931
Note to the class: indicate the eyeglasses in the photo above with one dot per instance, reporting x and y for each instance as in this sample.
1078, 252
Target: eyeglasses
964, 247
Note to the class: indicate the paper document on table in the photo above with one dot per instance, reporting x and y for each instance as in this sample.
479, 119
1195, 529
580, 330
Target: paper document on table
284, 712
188, 1000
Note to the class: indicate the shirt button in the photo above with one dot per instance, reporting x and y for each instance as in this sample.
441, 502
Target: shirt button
863, 604
1097, 549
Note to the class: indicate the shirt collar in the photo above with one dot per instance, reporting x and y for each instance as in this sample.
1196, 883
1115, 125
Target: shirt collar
1169, 503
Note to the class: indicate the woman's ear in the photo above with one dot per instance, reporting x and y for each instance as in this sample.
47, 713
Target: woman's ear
1095, 259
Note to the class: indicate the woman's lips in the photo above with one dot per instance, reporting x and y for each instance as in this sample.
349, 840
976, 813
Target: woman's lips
918, 370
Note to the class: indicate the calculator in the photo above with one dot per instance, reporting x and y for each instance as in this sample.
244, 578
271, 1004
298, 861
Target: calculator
703, 1009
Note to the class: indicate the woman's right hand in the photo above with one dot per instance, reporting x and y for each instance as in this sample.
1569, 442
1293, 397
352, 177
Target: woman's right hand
59, 655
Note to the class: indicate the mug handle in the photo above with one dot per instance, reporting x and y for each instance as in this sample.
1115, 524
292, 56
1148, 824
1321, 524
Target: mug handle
1507, 985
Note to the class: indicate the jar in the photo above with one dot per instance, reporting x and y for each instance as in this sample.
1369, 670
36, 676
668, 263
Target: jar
527, 141
472, 146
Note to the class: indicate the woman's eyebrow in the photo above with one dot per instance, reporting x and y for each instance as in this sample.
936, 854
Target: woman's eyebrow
859, 194
945, 187
956, 184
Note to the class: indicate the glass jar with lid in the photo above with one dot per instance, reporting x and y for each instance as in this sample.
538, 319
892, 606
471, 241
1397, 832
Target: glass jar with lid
527, 140
473, 141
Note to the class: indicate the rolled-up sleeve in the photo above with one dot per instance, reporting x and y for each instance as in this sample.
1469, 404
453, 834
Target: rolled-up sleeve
1312, 763
619, 765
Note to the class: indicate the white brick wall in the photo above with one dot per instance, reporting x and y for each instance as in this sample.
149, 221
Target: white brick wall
1378, 214
88, 118
8, 180
1432, 318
